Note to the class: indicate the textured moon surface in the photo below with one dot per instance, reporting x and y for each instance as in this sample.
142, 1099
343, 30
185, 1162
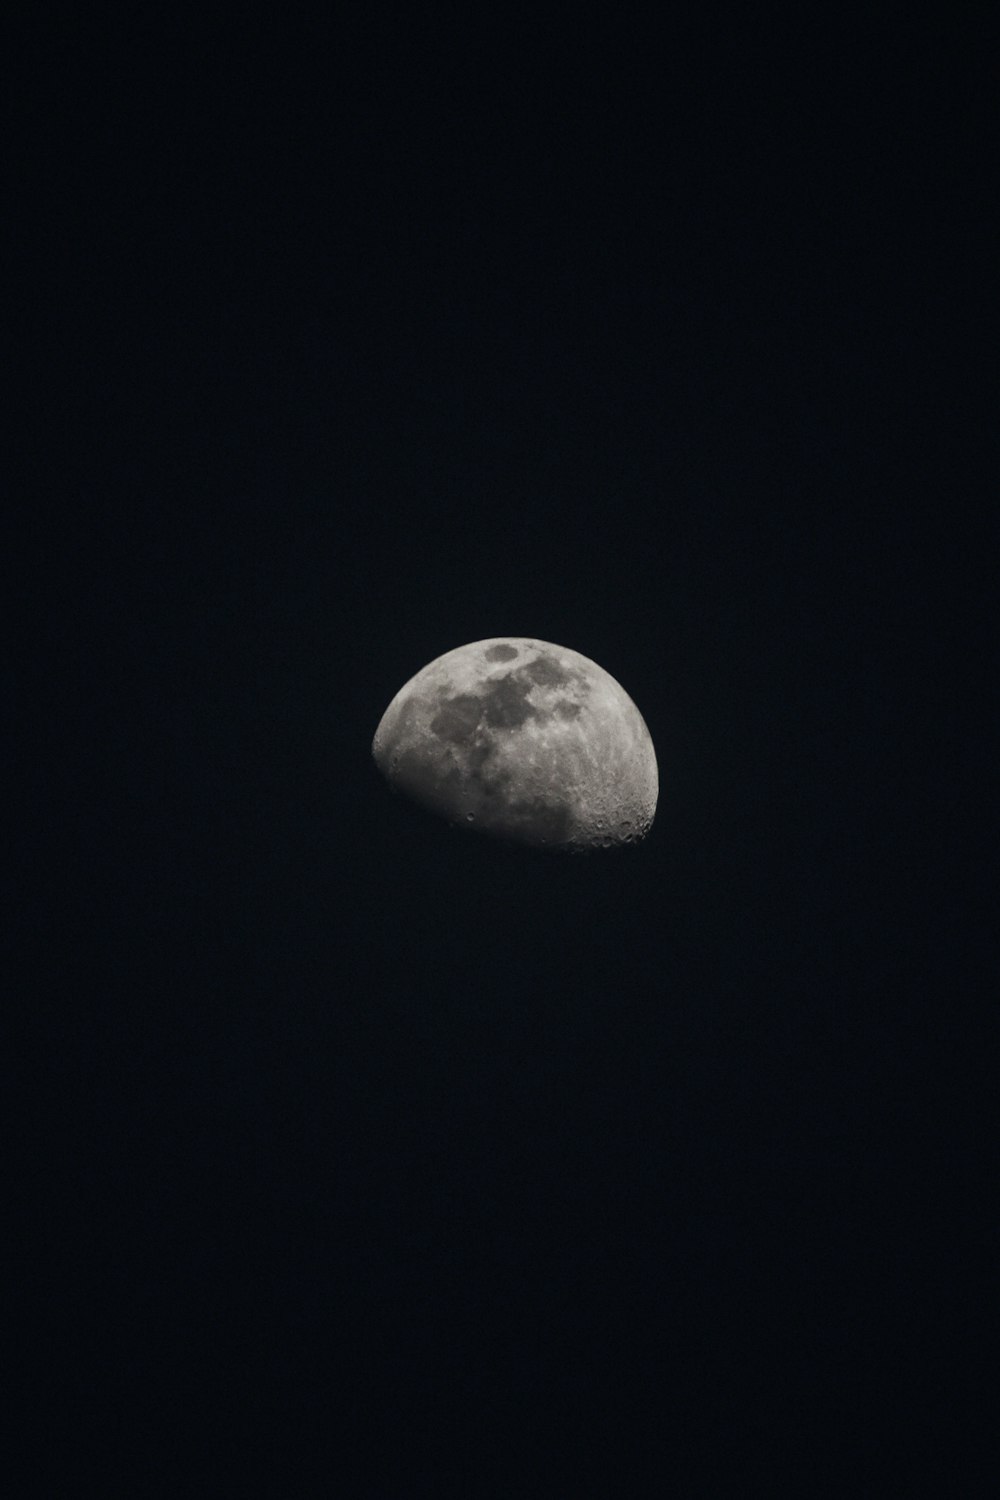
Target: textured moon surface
525, 741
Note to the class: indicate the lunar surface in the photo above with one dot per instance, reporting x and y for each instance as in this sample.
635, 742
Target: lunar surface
525, 741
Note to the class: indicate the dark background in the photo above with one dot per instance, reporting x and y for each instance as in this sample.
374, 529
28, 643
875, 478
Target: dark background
361, 1156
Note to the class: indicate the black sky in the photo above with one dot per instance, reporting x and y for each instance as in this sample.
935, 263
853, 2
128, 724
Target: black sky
362, 1157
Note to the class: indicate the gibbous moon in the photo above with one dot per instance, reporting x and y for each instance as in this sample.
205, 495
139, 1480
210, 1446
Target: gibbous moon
523, 740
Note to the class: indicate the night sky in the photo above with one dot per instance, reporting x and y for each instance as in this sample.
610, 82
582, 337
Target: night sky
362, 1157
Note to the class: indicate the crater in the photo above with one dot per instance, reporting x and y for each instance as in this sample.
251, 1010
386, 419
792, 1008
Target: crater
546, 672
567, 709
506, 703
501, 653
457, 718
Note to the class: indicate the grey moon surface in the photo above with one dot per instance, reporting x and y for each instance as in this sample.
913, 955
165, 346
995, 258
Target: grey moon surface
525, 741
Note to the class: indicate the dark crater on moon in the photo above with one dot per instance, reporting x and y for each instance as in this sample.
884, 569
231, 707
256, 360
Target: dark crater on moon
506, 703
501, 653
547, 673
503, 705
457, 718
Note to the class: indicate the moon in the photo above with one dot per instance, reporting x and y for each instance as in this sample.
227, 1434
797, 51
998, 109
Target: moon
525, 741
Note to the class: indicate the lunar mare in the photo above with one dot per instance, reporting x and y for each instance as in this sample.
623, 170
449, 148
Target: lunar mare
524, 740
